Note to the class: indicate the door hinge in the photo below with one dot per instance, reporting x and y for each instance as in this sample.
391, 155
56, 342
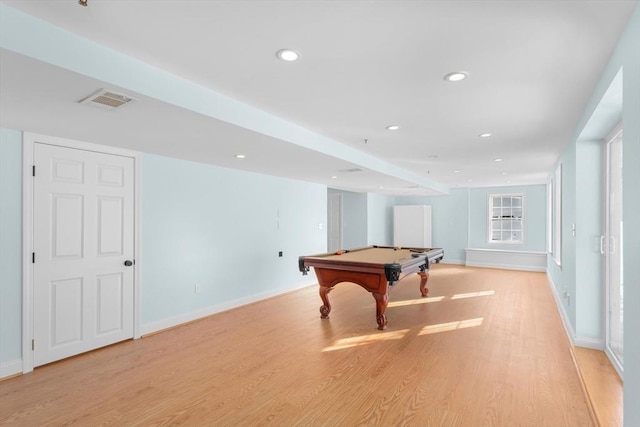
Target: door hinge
33, 170
33, 257
33, 344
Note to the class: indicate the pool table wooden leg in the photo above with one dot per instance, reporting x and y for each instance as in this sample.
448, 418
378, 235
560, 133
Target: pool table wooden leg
325, 309
424, 276
381, 306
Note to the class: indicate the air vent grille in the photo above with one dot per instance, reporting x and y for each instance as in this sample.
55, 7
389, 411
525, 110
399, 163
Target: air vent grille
107, 100
352, 170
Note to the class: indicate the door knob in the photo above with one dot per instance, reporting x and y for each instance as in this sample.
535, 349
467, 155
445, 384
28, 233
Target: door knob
128, 263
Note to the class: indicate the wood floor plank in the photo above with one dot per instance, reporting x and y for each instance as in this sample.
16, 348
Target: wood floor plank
602, 384
486, 348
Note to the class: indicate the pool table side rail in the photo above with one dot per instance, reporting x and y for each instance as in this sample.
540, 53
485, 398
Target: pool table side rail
412, 265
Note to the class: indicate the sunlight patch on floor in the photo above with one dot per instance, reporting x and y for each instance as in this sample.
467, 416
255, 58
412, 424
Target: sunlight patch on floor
440, 298
451, 326
366, 339
473, 294
414, 301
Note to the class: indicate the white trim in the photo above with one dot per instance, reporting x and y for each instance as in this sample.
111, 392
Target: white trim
614, 362
27, 248
171, 322
506, 259
28, 141
568, 328
556, 247
613, 136
451, 261
10, 368
595, 343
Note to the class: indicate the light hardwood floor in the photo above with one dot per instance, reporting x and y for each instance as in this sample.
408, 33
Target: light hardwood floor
487, 347
602, 385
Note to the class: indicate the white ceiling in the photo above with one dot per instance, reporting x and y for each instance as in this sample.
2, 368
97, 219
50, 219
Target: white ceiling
364, 65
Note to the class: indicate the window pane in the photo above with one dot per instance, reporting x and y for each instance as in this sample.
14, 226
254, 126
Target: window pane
506, 218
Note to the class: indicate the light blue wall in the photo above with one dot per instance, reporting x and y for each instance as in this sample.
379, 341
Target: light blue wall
10, 245
589, 228
379, 220
367, 219
222, 229
535, 223
449, 221
564, 276
201, 224
628, 53
626, 57
459, 220
354, 219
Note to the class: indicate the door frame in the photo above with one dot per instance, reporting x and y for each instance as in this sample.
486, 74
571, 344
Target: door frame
339, 198
28, 142
611, 137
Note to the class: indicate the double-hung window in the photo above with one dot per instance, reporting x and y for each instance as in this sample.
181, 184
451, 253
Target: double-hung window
506, 218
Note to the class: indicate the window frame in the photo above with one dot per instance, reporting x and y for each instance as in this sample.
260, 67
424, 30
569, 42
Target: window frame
556, 243
490, 230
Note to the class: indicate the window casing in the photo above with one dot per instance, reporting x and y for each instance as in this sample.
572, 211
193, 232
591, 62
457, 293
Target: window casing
506, 218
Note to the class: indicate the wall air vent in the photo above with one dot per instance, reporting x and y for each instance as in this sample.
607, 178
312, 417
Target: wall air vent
107, 100
352, 170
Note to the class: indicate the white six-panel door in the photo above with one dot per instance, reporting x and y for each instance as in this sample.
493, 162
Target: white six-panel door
83, 233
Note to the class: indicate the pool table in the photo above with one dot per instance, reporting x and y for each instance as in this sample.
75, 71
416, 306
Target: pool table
375, 268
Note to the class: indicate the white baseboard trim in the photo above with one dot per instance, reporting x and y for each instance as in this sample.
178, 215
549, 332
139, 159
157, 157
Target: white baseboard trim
571, 334
452, 261
595, 343
506, 259
10, 368
170, 322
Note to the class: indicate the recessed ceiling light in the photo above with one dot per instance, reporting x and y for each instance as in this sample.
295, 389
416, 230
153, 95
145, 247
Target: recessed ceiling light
433, 156
240, 156
498, 159
380, 188
484, 135
392, 127
505, 173
456, 171
288, 55
456, 76
469, 180
334, 177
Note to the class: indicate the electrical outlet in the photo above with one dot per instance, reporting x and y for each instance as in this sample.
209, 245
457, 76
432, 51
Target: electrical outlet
280, 254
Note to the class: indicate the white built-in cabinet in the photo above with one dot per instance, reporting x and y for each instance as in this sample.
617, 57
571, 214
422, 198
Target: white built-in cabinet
412, 226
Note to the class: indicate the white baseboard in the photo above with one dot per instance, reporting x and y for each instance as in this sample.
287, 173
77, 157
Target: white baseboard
10, 368
452, 261
595, 343
153, 327
506, 259
571, 334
